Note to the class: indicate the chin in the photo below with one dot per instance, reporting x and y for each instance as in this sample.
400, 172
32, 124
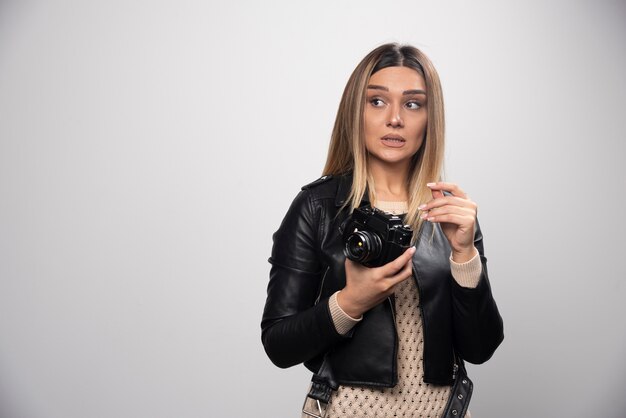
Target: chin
393, 159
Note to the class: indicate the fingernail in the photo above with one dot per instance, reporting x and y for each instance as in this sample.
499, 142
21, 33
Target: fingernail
422, 206
424, 215
430, 184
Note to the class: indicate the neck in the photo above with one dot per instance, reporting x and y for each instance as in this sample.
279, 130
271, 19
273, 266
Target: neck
390, 180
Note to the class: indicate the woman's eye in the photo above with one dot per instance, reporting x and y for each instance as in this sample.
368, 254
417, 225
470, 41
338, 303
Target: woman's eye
376, 102
413, 105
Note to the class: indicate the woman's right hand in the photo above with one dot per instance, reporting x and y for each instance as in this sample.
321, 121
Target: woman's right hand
366, 287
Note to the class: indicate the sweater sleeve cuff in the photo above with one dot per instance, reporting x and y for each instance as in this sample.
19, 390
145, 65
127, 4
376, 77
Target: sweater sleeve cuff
343, 322
467, 274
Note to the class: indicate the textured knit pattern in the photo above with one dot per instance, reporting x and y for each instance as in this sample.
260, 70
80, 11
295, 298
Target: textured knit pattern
343, 322
467, 274
395, 208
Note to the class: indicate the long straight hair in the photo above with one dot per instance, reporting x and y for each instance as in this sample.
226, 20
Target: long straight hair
347, 152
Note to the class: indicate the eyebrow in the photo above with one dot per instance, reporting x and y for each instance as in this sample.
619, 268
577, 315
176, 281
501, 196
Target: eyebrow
376, 87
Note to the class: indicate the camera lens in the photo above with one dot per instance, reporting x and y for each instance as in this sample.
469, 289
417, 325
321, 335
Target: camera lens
363, 246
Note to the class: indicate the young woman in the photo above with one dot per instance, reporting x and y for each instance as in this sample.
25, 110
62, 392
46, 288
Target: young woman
389, 340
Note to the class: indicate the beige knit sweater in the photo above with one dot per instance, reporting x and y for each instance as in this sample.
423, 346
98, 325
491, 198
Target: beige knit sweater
411, 397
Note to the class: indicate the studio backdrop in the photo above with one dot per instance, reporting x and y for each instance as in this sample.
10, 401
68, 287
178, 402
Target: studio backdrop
149, 149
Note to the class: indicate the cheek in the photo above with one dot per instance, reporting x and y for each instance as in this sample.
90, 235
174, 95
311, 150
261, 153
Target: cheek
370, 127
420, 128
369, 120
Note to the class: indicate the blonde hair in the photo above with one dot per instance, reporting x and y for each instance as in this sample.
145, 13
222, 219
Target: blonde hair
347, 152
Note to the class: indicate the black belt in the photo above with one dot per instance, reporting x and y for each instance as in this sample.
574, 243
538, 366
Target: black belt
322, 385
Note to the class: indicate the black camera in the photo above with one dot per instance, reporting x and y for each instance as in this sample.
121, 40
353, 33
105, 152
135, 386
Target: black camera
373, 237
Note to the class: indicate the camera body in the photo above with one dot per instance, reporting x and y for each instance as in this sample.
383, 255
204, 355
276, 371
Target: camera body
374, 238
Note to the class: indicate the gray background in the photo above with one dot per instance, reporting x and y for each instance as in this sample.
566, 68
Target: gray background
148, 150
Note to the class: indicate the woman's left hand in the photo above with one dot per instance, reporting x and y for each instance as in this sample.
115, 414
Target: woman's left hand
457, 216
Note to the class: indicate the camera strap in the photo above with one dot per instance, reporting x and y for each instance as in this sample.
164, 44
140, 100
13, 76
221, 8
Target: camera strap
322, 384
461, 393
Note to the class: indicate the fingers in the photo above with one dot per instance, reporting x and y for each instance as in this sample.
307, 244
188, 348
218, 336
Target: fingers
385, 270
457, 214
448, 200
366, 287
442, 186
443, 208
455, 219
402, 275
392, 267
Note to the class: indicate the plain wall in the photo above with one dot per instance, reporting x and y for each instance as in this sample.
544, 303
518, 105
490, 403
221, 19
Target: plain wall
149, 149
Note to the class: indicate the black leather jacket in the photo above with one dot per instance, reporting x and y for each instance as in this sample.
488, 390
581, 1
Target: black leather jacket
308, 267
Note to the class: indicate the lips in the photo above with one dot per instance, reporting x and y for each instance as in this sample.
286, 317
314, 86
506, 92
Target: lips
393, 141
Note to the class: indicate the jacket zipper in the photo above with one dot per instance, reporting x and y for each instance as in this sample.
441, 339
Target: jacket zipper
321, 288
393, 310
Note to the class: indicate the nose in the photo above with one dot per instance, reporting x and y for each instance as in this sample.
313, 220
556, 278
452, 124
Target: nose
395, 120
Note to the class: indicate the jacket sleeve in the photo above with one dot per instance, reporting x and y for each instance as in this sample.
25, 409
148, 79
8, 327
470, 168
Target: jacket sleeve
294, 328
478, 327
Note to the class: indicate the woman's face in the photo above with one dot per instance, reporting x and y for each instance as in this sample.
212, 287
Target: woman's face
395, 114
